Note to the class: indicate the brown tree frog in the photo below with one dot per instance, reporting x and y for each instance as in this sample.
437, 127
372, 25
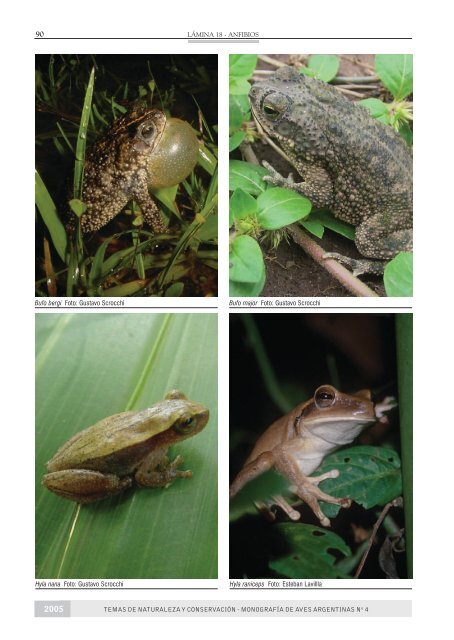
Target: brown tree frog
296, 444
105, 458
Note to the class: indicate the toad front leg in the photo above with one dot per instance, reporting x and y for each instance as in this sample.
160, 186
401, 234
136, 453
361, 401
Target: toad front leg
317, 185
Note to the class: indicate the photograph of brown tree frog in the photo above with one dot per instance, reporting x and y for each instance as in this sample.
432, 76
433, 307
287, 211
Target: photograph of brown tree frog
130, 135
320, 492
126, 446
321, 156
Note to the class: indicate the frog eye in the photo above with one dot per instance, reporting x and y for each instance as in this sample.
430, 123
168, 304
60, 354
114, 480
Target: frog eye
325, 396
185, 425
274, 106
147, 132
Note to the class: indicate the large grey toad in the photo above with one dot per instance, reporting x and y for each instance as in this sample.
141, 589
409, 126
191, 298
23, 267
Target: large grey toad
142, 148
350, 163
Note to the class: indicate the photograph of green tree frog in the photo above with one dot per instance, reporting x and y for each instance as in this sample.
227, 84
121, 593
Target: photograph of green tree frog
126, 445
126, 175
321, 451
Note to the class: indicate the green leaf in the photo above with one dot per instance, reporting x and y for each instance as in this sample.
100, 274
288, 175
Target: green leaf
310, 552
260, 489
279, 207
78, 207
247, 176
89, 366
323, 67
242, 65
167, 196
175, 290
236, 139
370, 476
327, 219
48, 212
245, 260
377, 108
239, 111
239, 86
247, 289
404, 340
315, 228
82, 138
396, 73
398, 276
242, 204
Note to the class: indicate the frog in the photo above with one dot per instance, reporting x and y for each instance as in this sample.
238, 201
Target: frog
106, 458
142, 149
350, 163
296, 444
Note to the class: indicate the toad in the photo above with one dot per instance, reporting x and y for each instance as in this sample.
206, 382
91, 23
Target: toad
354, 165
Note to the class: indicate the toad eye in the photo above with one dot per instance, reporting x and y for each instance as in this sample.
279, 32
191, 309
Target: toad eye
185, 425
274, 106
147, 132
325, 396
271, 112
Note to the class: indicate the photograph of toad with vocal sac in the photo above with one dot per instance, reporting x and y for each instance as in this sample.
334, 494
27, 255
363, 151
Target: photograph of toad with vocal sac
126, 175
321, 452
321, 175
126, 446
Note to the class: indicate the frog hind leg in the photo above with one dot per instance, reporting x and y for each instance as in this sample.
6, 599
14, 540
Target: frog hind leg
82, 485
157, 471
262, 463
379, 238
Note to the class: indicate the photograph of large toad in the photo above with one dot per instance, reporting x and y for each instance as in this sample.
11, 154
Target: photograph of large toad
126, 175
321, 160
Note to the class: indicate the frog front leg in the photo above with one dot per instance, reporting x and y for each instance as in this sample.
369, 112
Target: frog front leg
148, 207
264, 462
84, 485
157, 471
305, 487
317, 184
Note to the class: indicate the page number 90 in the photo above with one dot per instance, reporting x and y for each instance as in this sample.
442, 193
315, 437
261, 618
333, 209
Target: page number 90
39, 34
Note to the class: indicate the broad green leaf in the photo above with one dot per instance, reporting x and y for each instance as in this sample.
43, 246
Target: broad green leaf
245, 260
239, 111
236, 139
370, 476
279, 207
377, 108
239, 86
327, 219
310, 552
247, 176
89, 366
242, 204
323, 67
242, 65
247, 289
48, 212
315, 228
398, 276
396, 73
